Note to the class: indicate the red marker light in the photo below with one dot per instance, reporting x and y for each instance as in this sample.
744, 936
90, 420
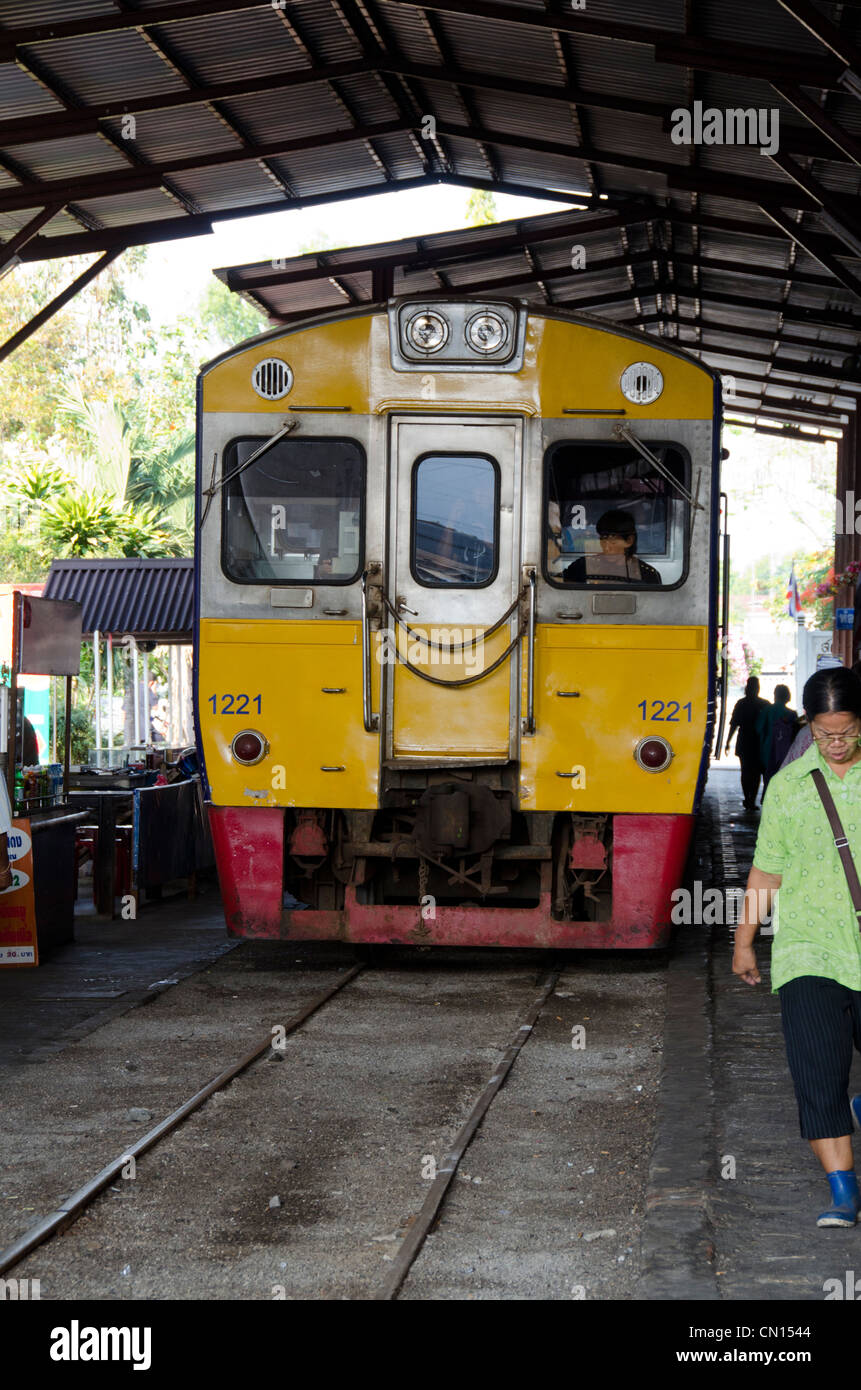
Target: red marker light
653, 754
249, 747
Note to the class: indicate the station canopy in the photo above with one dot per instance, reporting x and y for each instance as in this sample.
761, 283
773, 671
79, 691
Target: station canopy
131, 121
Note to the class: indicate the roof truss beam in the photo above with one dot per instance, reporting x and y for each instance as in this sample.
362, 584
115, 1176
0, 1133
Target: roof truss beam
814, 248
116, 183
677, 175
832, 38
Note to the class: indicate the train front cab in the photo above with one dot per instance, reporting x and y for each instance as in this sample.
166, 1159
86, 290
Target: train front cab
406, 529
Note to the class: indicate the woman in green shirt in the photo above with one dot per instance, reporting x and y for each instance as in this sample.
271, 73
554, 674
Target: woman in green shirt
816, 956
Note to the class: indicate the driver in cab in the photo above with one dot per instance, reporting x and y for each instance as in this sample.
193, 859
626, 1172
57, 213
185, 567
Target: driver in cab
617, 561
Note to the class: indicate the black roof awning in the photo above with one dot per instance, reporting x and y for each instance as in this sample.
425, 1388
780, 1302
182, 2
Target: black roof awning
151, 600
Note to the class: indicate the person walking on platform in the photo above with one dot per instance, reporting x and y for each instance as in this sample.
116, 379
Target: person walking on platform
777, 727
745, 717
808, 844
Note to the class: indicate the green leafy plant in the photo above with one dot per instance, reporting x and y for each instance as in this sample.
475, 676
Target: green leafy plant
80, 524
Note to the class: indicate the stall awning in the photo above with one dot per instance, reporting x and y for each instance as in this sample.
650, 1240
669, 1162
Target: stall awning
151, 600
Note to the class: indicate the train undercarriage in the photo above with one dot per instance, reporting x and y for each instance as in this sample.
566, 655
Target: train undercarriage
447, 859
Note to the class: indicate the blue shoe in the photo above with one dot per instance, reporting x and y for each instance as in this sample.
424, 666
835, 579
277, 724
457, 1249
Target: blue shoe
855, 1107
845, 1200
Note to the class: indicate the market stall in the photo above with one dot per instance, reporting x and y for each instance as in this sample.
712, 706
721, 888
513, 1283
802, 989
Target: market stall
37, 637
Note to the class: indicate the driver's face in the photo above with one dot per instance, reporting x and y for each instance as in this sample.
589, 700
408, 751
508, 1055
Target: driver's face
615, 545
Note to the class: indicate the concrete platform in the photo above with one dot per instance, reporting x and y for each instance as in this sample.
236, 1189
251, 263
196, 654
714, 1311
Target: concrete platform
108, 969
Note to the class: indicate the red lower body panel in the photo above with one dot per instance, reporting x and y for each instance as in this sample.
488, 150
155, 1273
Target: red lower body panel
649, 855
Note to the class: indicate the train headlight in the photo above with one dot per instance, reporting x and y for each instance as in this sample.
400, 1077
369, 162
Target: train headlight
486, 332
653, 754
427, 331
249, 747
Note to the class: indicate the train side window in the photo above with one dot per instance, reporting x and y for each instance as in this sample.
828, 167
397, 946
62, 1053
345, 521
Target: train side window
595, 492
455, 521
296, 515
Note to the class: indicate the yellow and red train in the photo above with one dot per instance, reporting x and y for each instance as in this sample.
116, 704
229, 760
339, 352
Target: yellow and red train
456, 624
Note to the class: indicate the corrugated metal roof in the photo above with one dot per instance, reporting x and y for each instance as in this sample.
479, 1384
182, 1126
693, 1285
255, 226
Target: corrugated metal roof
148, 599
327, 98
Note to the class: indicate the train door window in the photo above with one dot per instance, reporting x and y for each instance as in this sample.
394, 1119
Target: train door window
455, 521
612, 519
295, 515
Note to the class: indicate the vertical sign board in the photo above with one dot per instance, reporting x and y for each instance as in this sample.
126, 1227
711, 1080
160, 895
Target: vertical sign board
17, 904
844, 619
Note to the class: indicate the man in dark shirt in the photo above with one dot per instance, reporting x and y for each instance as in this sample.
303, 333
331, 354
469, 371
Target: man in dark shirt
745, 719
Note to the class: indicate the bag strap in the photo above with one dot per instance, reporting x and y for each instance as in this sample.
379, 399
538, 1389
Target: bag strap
840, 841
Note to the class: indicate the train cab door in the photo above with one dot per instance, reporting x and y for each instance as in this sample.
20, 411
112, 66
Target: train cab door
452, 575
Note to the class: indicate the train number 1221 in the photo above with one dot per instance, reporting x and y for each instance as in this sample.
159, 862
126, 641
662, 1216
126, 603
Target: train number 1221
234, 704
668, 711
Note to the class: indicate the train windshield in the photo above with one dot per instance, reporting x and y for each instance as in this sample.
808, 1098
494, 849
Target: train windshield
455, 510
295, 515
612, 519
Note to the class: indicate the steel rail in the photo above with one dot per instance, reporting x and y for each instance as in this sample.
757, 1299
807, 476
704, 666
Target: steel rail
411, 1246
65, 1215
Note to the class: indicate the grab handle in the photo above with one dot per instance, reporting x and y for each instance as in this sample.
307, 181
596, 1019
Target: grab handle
529, 721
370, 720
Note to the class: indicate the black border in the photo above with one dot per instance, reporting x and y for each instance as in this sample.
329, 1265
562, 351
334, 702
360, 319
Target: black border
608, 587
497, 493
297, 583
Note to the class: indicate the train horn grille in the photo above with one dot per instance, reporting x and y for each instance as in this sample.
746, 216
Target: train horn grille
272, 378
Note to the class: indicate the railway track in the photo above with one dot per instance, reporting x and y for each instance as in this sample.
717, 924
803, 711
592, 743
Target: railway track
419, 1225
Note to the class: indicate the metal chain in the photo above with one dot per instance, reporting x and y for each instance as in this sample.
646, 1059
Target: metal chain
467, 680
457, 646
424, 874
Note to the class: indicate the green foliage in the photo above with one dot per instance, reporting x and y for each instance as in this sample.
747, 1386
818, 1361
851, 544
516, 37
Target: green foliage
91, 523
80, 524
226, 318
105, 460
142, 530
25, 558
82, 734
37, 482
481, 208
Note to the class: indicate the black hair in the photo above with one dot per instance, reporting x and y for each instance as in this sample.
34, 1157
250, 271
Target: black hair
834, 691
752, 685
623, 524
782, 693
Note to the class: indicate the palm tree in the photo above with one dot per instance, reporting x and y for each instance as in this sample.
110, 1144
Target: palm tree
151, 485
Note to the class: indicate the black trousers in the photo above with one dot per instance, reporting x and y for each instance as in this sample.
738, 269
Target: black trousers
751, 771
821, 1023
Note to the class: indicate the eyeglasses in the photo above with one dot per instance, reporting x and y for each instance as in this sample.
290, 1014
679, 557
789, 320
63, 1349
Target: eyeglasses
836, 738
